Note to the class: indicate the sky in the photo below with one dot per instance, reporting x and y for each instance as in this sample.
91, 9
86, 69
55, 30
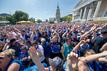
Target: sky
38, 9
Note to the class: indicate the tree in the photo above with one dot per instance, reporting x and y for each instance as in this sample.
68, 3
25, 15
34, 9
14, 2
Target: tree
1, 18
20, 16
17, 16
11, 19
39, 21
67, 19
32, 20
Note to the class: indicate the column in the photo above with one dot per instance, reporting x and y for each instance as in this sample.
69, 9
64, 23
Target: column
90, 12
97, 8
81, 13
84, 14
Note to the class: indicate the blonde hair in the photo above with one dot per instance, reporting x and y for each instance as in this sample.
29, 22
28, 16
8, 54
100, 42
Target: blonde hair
8, 52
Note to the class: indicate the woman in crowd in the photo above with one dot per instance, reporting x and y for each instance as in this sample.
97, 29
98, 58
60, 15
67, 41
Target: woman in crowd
55, 46
8, 62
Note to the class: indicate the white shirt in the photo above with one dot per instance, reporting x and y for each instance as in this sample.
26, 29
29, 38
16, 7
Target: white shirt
41, 50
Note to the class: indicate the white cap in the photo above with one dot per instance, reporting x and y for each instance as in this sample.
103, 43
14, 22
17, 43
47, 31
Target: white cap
43, 40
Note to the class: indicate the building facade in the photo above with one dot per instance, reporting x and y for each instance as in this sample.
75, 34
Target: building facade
90, 10
3, 19
52, 20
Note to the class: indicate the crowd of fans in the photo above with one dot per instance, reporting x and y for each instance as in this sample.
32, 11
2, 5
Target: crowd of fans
53, 47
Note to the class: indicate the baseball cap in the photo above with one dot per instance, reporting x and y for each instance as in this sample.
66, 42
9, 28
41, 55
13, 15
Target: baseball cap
57, 61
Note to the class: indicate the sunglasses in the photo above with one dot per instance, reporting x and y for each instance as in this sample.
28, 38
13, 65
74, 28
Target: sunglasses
2, 57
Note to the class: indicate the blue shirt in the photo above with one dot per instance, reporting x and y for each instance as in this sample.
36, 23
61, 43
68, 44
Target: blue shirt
33, 68
55, 47
47, 49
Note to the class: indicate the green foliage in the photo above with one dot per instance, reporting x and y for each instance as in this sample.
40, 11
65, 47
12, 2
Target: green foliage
2, 18
66, 18
20, 16
39, 21
11, 19
51, 22
32, 20
17, 16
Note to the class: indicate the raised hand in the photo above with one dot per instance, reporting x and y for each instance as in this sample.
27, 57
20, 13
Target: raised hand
33, 51
35, 57
73, 57
94, 27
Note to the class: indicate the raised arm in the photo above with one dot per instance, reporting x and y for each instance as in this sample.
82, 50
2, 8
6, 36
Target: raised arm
92, 29
17, 30
94, 56
64, 34
5, 47
34, 56
104, 59
78, 45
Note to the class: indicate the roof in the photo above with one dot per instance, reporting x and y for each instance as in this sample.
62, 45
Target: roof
24, 22
4, 14
4, 21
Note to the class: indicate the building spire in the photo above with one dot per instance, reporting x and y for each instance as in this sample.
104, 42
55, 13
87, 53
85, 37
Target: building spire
57, 5
58, 13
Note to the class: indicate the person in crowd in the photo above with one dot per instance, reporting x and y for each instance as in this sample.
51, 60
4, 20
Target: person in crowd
100, 40
40, 50
47, 50
55, 46
13, 44
8, 62
36, 35
24, 56
67, 47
